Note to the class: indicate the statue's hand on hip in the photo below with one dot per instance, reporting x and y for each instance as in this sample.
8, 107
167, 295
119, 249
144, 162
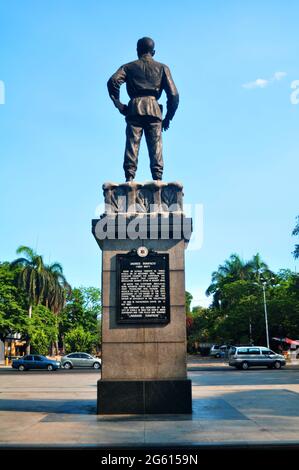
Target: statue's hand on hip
165, 124
122, 108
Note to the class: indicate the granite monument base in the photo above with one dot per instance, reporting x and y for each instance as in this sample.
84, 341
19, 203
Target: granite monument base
143, 235
144, 397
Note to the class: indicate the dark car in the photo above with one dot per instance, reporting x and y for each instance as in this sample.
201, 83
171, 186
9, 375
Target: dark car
35, 362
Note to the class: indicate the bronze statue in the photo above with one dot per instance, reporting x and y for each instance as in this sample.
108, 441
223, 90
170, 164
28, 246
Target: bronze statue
145, 80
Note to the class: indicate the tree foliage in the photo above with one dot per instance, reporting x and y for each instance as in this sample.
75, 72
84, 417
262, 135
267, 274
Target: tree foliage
83, 309
80, 340
13, 314
236, 314
44, 284
43, 329
235, 269
37, 302
296, 233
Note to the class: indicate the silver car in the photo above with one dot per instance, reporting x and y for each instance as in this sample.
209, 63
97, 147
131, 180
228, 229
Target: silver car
218, 351
80, 360
245, 357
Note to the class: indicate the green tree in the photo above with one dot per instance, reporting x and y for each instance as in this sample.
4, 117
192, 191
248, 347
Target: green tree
43, 329
257, 269
188, 300
235, 269
58, 290
296, 233
13, 315
83, 308
283, 305
32, 275
237, 310
80, 340
44, 284
242, 321
198, 328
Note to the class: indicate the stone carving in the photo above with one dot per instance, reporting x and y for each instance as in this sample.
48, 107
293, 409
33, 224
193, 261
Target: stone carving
171, 197
144, 199
118, 199
152, 197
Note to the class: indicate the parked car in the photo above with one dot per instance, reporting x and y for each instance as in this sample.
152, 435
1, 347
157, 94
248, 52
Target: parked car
80, 360
35, 362
218, 351
245, 357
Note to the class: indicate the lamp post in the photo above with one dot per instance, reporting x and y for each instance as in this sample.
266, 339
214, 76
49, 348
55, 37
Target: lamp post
250, 332
263, 283
266, 313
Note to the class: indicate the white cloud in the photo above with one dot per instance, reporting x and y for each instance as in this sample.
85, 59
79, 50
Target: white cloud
279, 75
258, 83
263, 82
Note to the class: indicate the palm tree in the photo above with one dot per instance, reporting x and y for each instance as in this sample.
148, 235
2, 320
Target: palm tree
44, 284
32, 278
235, 269
258, 269
296, 232
58, 289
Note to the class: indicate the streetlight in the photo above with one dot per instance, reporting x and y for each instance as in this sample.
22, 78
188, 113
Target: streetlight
250, 332
266, 313
264, 283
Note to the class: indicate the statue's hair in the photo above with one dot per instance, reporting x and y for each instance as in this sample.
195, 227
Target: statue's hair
145, 45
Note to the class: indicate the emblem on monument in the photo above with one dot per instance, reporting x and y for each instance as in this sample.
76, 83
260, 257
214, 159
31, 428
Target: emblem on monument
142, 251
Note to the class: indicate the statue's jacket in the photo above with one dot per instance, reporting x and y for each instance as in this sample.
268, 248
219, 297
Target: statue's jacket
145, 81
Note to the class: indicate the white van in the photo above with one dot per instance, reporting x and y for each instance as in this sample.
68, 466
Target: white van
243, 357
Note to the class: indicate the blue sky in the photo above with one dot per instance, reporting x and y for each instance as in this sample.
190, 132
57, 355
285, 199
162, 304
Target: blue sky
234, 147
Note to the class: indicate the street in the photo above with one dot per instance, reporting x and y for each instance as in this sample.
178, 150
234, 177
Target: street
229, 406
10, 370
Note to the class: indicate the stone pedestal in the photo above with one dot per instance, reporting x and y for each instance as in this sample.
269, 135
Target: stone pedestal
143, 365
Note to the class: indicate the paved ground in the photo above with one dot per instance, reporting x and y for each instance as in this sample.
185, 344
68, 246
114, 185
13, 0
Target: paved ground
229, 406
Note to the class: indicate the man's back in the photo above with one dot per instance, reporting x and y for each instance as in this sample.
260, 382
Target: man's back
145, 80
144, 77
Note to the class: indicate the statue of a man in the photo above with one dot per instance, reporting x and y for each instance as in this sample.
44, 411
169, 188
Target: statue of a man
145, 80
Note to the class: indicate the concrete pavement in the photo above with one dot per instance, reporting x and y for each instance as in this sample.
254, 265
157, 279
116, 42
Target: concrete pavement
229, 407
